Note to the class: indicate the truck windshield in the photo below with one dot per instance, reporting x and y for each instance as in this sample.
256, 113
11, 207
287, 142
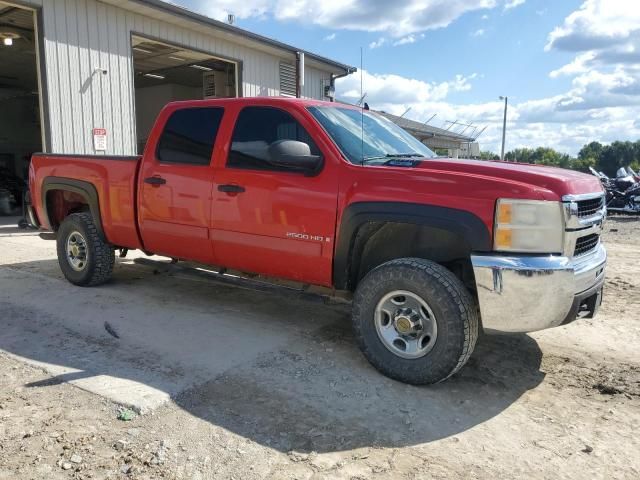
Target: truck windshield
366, 137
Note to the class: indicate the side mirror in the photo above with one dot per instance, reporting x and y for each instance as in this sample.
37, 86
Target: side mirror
295, 155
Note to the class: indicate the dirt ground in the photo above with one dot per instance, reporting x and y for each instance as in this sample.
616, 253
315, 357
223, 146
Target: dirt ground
302, 403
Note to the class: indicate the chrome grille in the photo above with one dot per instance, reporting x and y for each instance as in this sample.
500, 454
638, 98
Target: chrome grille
586, 244
588, 208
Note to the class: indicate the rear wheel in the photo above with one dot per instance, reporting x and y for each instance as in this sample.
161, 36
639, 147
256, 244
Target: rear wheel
415, 321
84, 257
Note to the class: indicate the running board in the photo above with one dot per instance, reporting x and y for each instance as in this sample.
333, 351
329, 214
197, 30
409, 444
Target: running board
306, 292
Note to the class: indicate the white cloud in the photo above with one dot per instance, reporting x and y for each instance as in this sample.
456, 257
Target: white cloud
590, 110
603, 34
478, 33
595, 89
398, 90
578, 65
598, 25
408, 39
603, 102
513, 4
397, 19
378, 43
331, 36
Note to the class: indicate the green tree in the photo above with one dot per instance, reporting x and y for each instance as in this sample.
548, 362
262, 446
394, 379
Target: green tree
591, 150
540, 156
487, 155
522, 155
618, 154
583, 164
606, 158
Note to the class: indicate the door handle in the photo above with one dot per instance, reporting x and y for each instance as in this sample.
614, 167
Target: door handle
229, 188
155, 180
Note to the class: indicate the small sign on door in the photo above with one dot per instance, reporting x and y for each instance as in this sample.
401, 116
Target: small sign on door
100, 139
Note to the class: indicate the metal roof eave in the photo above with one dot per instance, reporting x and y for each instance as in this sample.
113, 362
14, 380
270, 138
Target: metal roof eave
180, 11
425, 130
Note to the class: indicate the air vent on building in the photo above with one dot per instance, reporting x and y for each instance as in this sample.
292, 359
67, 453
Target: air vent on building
287, 79
208, 85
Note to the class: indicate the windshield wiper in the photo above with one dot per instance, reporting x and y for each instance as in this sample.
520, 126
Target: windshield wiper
392, 155
403, 155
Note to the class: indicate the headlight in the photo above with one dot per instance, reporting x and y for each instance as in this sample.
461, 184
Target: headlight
528, 226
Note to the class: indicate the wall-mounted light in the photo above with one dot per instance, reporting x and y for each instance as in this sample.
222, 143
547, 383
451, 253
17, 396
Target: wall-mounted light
8, 41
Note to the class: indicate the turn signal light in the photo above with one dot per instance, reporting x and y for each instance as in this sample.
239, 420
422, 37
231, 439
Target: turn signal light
505, 211
503, 238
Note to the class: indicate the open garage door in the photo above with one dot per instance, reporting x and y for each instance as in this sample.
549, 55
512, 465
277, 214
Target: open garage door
20, 121
166, 73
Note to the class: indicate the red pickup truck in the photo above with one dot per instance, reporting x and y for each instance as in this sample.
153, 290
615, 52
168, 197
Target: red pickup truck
434, 250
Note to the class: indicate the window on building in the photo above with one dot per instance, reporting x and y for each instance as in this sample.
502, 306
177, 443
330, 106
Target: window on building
287, 79
189, 136
256, 129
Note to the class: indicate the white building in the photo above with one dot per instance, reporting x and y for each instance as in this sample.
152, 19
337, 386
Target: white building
71, 70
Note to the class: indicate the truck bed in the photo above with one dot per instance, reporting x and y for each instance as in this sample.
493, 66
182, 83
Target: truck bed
114, 179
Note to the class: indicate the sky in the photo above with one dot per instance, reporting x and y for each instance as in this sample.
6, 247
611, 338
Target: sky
569, 68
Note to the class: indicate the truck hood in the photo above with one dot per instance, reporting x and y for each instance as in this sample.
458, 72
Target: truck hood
557, 180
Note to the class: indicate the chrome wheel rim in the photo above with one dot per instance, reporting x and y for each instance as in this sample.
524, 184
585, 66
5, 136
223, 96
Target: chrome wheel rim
406, 324
77, 254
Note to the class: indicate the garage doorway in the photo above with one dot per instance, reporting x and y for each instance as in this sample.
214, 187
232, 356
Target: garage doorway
20, 119
166, 73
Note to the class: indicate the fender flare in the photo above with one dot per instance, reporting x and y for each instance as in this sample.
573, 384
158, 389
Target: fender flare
84, 189
459, 222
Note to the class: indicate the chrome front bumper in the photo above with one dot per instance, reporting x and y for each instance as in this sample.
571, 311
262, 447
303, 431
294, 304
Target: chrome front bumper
529, 293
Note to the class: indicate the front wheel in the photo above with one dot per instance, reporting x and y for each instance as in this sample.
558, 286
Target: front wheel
415, 321
84, 257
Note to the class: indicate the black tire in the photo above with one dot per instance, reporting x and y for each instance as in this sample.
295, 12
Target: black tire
455, 314
100, 256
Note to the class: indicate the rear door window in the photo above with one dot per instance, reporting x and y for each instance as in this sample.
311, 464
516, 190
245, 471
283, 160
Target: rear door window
189, 136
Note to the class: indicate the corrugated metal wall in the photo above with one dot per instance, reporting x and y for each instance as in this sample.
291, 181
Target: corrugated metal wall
314, 82
82, 35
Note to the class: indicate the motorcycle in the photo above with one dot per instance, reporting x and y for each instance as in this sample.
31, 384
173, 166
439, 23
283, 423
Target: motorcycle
633, 174
622, 192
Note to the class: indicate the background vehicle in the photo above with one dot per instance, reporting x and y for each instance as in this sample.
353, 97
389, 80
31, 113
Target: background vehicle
634, 174
332, 195
623, 192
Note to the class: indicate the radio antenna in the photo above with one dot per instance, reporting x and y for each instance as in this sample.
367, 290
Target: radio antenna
361, 110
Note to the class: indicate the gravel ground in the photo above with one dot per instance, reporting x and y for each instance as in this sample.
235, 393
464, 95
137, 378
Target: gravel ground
563, 403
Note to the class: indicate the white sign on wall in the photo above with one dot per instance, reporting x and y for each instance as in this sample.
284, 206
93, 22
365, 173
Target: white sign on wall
100, 139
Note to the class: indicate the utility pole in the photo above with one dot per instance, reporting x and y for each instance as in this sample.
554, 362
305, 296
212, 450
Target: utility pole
504, 126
